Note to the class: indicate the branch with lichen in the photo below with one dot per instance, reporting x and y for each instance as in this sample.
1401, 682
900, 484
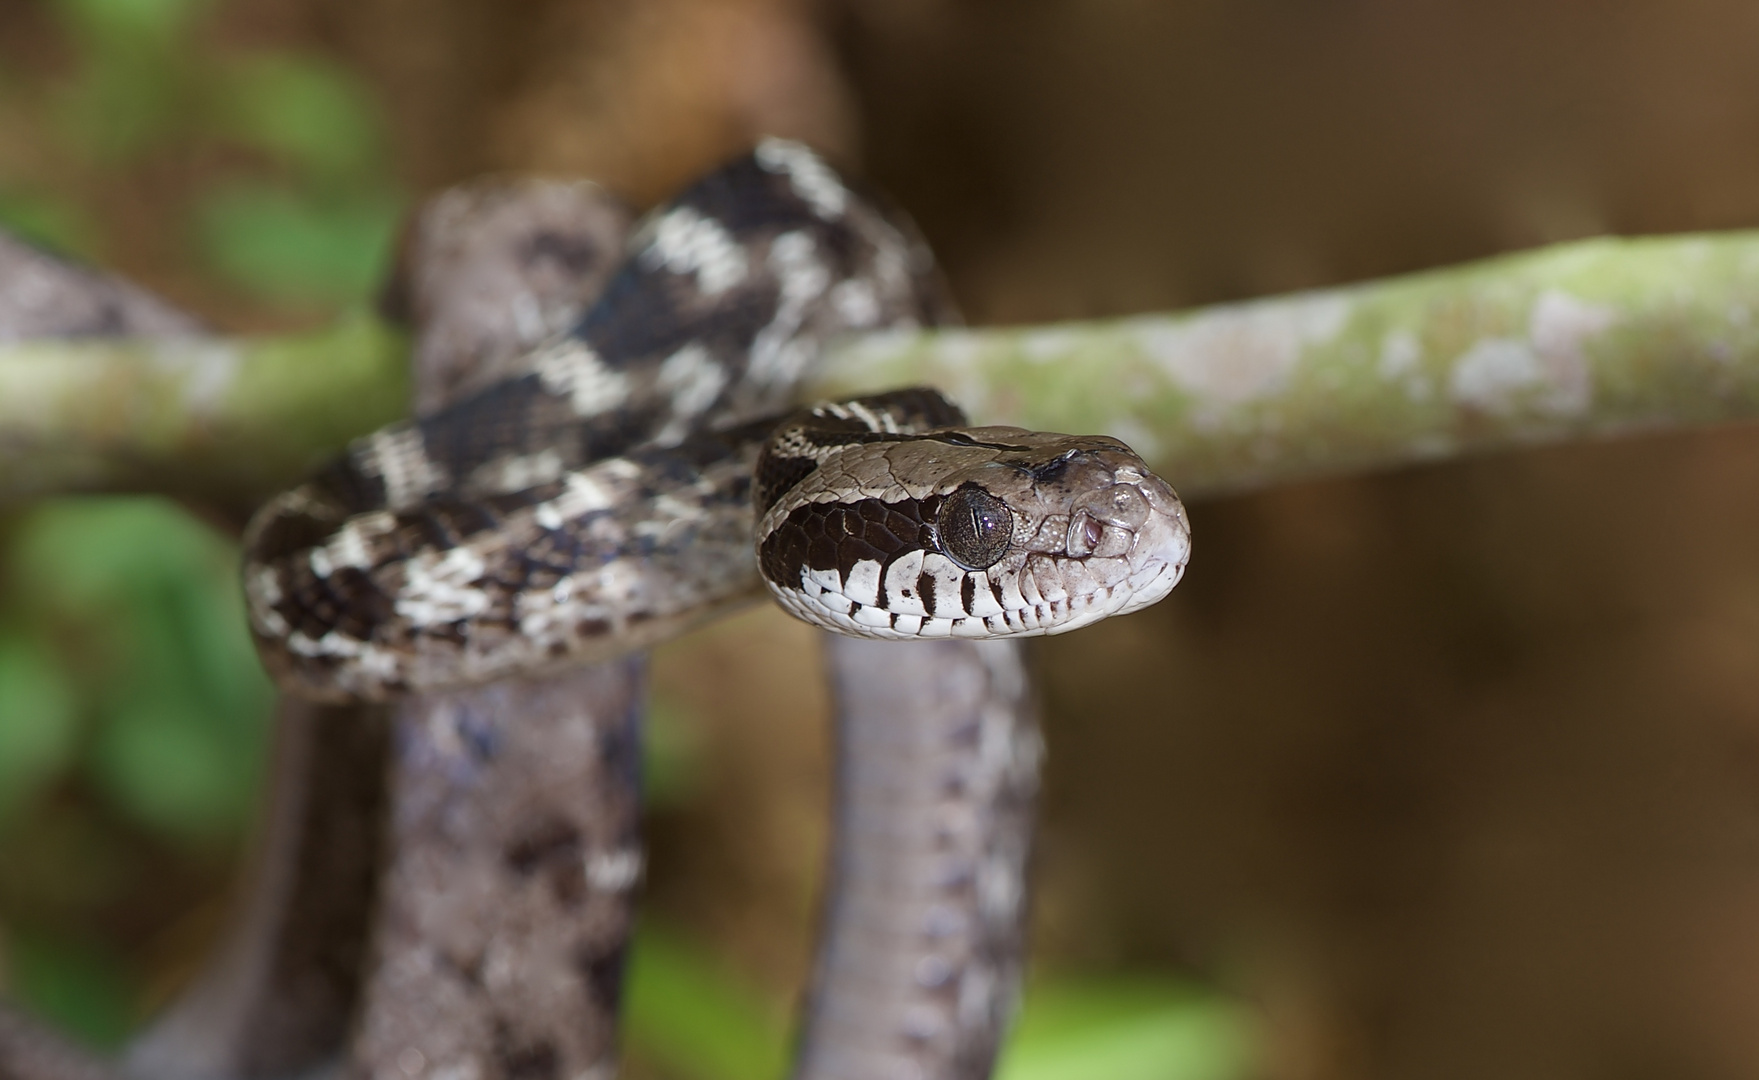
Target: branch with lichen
228, 420
1579, 340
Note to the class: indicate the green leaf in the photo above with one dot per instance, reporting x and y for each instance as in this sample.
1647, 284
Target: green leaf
79, 555
118, 107
148, 599
79, 989
682, 1011
160, 762
38, 720
131, 25
288, 246
1129, 1030
671, 753
307, 112
49, 221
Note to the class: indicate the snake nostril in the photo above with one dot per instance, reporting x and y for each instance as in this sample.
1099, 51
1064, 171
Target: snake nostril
1122, 505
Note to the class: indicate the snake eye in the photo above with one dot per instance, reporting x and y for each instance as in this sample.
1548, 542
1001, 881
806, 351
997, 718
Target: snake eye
974, 527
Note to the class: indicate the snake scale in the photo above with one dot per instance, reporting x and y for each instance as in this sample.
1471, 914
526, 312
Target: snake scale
641, 472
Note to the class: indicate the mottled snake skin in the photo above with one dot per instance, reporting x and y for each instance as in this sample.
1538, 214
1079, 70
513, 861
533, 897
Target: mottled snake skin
599, 499
636, 475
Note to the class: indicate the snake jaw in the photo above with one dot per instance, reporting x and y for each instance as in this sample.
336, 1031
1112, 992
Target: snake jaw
898, 540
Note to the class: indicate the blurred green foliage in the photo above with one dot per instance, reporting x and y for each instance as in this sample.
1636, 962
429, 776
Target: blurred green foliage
686, 1017
130, 702
132, 712
286, 195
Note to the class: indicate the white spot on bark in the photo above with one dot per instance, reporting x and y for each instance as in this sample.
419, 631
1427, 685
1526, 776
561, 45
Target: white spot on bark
1548, 371
1241, 353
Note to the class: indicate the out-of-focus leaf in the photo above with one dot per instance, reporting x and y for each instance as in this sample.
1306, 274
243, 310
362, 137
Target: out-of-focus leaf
130, 24
289, 246
49, 221
312, 114
37, 720
147, 600
161, 761
671, 753
78, 555
133, 75
118, 107
1129, 1030
79, 989
684, 1013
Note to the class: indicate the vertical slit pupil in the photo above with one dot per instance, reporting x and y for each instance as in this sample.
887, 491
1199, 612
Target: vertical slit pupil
975, 527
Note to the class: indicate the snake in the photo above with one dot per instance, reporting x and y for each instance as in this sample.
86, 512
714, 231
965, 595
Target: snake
646, 470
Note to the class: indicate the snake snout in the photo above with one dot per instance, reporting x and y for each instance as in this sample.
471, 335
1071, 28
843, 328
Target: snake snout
1104, 522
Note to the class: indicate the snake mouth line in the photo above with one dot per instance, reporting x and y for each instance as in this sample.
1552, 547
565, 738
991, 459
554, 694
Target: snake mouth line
873, 621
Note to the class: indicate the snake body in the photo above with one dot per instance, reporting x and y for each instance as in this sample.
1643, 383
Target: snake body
639, 473
601, 497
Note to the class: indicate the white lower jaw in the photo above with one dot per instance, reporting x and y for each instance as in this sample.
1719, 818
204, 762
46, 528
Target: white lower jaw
1041, 619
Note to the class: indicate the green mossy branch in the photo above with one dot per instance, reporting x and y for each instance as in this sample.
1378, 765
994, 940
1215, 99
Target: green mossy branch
1584, 339
224, 420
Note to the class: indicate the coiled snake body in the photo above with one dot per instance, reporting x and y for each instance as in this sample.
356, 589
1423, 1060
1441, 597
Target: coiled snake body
637, 475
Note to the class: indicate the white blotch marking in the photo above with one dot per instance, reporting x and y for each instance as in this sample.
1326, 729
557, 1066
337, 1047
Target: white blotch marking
901, 595
569, 368
517, 472
398, 456
584, 493
873, 617
856, 303
778, 353
694, 380
837, 602
811, 178
864, 582
824, 580
443, 590
1013, 599
686, 242
949, 583
614, 871
983, 597
907, 625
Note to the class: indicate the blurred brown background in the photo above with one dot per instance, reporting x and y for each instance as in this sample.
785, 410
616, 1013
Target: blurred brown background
1455, 772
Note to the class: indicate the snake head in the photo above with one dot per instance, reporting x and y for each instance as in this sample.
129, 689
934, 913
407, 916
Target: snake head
974, 532
1090, 530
